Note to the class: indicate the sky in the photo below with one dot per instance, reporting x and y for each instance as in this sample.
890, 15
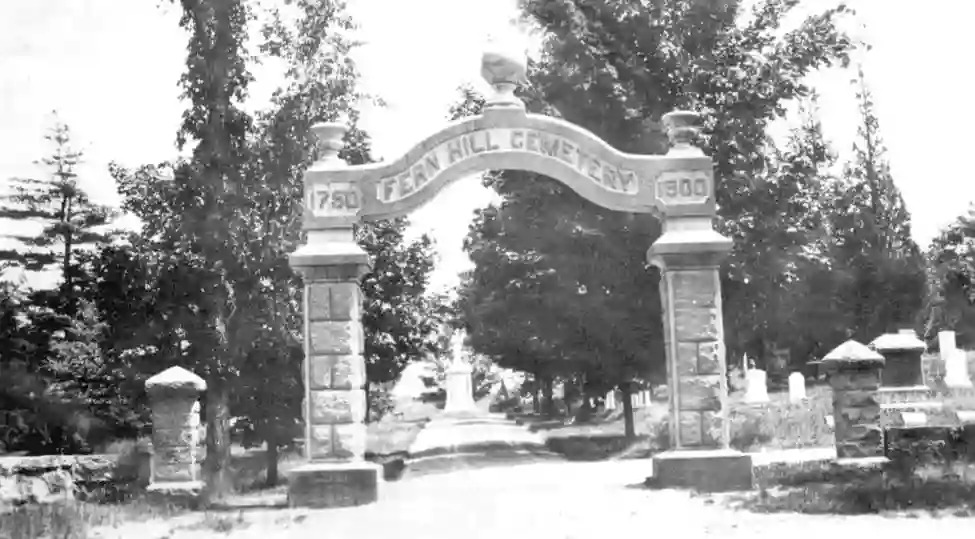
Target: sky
110, 68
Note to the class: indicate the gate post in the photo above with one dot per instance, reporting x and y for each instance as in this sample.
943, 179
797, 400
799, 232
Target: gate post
334, 473
689, 254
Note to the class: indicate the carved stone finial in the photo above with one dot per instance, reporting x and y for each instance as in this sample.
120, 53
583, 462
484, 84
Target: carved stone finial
504, 69
683, 127
328, 136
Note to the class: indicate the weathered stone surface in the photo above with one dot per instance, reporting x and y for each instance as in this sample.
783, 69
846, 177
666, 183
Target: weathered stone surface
854, 399
694, 287
177, 493
163, 437
868, 380
166, 471
336, 301
700, 392
337, 372
869, 415
338, 406
336, 338
711, 426
690, 429
174, 380
703, 470
709, 358
338, 441
322, 485
852, 354
182, 413
695, 324
320, 444
349, 440
687, 355
52, 478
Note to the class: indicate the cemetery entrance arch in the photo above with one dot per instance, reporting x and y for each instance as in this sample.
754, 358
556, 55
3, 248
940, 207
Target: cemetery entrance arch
677, 187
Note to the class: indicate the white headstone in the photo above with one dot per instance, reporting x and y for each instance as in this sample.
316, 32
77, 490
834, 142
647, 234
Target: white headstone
611, 400
645, 397
757, 390
956, 370
946, 344
797, 387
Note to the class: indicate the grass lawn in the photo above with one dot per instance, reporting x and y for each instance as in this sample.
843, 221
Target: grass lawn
777, 424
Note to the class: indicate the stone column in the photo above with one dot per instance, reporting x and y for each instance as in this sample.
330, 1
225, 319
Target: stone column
688, 255
334, 473
853, 371
177, 450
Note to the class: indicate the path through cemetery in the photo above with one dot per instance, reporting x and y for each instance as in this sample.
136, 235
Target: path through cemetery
551, 500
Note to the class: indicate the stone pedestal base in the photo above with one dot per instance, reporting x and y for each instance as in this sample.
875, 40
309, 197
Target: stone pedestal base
176, 493
716, 470
319, 485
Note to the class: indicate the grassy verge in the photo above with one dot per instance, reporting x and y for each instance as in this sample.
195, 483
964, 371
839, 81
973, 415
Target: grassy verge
825, 488
388, 442
778, 424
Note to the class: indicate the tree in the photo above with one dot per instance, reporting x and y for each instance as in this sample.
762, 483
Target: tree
951, 274
615, 69
69, 220
884, 285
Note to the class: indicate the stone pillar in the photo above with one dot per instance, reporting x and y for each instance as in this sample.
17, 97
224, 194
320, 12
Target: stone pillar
854, 372
175, 467
334, 473
688, 255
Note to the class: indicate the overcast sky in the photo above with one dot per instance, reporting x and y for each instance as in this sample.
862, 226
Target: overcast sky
110, 68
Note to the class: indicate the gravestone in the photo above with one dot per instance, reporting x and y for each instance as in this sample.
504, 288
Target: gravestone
956, 362
756, 389
797, 387
611, 400
902, 358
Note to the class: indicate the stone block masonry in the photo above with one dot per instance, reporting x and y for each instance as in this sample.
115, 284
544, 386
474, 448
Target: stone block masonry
698, 375
177, 448
335, 473
854, 373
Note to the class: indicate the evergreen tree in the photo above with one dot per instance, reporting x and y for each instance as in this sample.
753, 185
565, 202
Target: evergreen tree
882, 269
70, 221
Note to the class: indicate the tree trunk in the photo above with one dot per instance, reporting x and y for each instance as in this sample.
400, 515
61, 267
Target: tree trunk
548, 400
271, 456
219, 480
368, 403
629, 425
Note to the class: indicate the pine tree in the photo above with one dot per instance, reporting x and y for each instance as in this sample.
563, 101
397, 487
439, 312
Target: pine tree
70, 221
884, 271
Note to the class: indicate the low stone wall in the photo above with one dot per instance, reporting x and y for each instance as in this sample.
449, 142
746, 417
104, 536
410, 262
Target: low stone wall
49, 478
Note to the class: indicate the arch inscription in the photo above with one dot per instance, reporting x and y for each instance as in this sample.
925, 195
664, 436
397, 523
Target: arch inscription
510, 140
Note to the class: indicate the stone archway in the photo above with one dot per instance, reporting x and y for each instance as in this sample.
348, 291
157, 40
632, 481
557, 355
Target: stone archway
678, 187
